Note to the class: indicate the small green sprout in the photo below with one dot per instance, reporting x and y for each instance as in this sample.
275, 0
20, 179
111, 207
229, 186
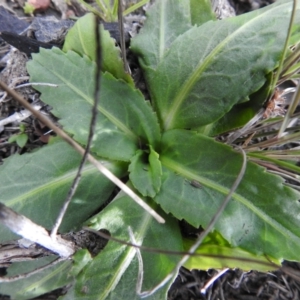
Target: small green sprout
21, 138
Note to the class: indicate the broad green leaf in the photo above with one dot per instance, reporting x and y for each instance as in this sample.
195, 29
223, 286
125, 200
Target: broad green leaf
21, 139
113, 272
263, 215
295, 37
229, 258
36, 185
216, 253
238, 116
240, 113
46, 280
81, 39
80, 259
210, 68
145, 172
39, 283
166, 20
201, 12
125, 120
17, 268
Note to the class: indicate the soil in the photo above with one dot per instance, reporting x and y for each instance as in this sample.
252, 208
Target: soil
233, 284
236, 285
243, 6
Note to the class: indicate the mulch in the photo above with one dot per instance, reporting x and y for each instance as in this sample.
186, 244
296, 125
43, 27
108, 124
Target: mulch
237, 285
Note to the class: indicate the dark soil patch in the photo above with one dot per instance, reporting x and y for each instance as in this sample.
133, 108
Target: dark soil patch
236, 285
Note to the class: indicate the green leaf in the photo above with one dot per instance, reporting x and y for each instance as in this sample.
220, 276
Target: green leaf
293, 69
28, 8
17, 268
201, 12
210, 68
125, 119
215, 255
238, 116
166, 20
22, 139
44, 281
113, 272
81, 39
240, 113
261, 217
145, 172
295, 37
36, 185
13, 138
80, 259
39, 283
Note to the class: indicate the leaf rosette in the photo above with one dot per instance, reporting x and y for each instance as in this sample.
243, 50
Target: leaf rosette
199, 72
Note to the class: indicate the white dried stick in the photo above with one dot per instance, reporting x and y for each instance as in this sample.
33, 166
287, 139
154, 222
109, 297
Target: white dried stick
23, 226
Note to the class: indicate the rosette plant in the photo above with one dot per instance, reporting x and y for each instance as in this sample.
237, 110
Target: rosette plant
205, 77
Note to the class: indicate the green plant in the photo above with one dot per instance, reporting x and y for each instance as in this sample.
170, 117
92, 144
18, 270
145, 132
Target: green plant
21, 138
205, 77
108, 10
28, 8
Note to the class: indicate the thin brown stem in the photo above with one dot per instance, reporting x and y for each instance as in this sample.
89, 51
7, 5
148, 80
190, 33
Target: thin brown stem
77, 178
